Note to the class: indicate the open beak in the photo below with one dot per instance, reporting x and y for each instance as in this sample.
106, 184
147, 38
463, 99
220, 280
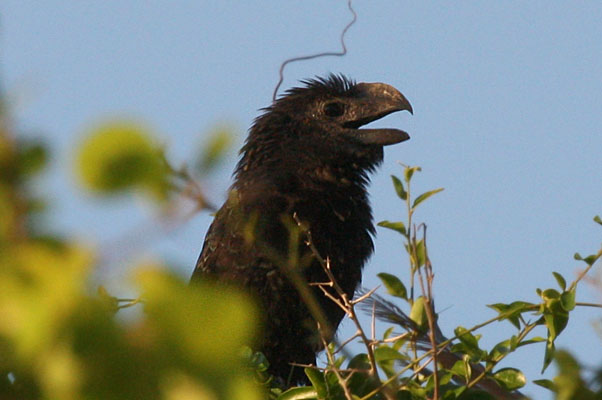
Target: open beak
376, 100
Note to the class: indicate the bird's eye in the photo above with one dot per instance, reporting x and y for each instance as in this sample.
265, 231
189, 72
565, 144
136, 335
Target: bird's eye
334, 109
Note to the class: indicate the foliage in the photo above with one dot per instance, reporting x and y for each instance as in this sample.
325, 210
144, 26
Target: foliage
424, 364
60, 336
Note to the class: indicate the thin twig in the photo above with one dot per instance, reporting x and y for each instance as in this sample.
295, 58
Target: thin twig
586, 270
342, 301
588, 304
312, 56
430, 309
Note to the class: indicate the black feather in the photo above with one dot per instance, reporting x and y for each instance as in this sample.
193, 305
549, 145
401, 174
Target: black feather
298, 160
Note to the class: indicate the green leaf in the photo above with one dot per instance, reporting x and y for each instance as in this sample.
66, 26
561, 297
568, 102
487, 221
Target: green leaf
393, 285
512, 311
466, 337
469, 344
501, 349
549, 355
396, 226
598, 219
556, 320
420, 253
257, 360
386, 353
591, 259
560, 279
444, 378
550, 294
398, 185
456, 393
299, 393
317, 380
386, 357
567, 300
510, 378
546, 383
418, 313
409, 171
388, 332
462, 368
360, 361
425, 196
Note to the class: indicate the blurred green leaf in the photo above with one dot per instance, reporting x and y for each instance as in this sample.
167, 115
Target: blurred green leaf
40, 286
598, 219
213, 151
399, 189
396, 226
568, 383
209, 323
33, 157
121, 155
111, 302
393, 285
425, 196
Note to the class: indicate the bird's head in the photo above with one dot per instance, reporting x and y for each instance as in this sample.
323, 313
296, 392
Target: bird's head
320, 123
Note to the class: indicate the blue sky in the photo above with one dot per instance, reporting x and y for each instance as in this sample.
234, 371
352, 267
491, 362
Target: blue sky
507, 99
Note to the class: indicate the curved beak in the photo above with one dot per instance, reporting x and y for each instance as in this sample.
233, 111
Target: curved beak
374, 101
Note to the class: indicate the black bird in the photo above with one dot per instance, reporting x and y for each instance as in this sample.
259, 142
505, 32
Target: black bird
304, 160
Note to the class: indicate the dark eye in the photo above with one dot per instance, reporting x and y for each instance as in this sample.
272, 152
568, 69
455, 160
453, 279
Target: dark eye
334, 109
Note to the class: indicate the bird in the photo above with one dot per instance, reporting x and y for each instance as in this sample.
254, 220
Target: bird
305, 162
